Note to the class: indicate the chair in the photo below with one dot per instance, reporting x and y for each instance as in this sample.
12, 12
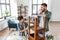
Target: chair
12, 24
35, 28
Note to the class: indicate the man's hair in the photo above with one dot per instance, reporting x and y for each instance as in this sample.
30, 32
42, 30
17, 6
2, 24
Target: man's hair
44, 4
20, 17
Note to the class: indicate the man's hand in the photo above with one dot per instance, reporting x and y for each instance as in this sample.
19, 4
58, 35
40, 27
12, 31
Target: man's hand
41, 15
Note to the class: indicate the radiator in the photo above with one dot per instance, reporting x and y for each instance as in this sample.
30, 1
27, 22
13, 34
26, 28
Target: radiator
3, 25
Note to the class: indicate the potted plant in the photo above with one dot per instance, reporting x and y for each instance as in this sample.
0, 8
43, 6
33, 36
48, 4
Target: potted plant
50, 37
6, 14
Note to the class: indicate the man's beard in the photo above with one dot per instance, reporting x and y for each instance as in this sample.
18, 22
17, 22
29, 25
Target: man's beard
43, 10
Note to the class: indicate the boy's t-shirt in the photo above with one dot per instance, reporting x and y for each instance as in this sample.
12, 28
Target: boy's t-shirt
21, 27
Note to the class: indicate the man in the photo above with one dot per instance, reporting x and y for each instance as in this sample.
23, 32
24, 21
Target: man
47, 13
22, 26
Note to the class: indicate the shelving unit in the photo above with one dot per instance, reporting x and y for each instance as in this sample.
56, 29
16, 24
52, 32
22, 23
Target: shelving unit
36, 28
22, 10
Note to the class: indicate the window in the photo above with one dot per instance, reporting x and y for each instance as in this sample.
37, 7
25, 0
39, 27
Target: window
5, 8
36, 4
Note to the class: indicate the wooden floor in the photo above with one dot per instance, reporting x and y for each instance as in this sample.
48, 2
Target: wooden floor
54, 29
5, 33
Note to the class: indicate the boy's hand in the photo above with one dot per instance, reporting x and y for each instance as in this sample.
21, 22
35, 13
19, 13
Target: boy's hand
24, 29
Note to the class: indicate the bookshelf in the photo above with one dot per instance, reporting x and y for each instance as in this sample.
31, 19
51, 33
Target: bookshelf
22, 10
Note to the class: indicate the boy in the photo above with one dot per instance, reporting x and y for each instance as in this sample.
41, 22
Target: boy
22, 26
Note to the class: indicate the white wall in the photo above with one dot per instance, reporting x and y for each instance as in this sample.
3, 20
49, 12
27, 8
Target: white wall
49, 5
55, 8
14, 8
30, 7
24, 2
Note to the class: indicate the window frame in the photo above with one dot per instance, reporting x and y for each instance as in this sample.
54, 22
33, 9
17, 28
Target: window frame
5, 8
37, 7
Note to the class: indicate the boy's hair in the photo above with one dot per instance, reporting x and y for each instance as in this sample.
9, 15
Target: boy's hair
44, 4
20, 17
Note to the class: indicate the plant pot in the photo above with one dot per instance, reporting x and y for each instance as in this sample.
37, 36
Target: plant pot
50, 37
4, 17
